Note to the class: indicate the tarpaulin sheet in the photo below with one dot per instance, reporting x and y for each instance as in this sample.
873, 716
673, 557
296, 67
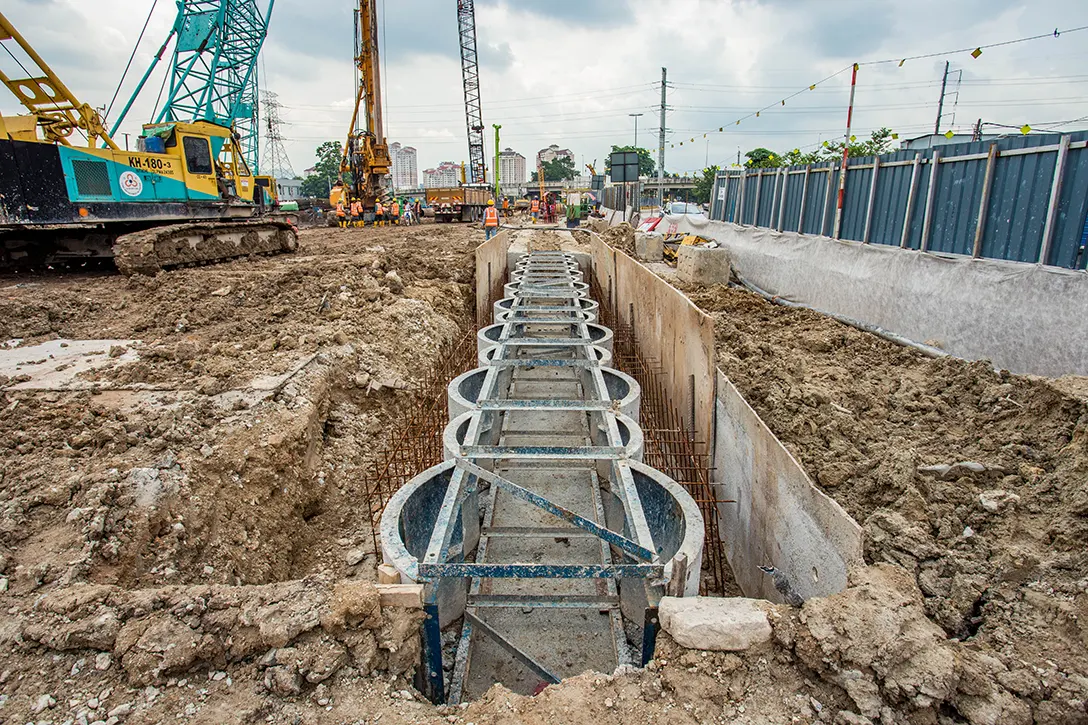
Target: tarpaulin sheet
1026, 318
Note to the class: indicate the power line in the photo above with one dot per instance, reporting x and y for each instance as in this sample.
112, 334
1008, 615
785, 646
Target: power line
278, 165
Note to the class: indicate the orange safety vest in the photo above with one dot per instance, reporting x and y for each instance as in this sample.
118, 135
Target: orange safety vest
535, 205
396, 208
339, 208
357, 208
378, 209
491, 217
505, 204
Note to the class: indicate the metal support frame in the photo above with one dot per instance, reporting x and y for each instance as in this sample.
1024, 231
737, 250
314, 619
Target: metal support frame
1055, 200
931, 196
870, 208
984, 201
916, 166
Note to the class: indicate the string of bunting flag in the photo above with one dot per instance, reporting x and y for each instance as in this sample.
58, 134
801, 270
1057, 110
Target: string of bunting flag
974, 51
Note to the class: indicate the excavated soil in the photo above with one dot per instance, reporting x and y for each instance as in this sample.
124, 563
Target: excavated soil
184, 538
974, 481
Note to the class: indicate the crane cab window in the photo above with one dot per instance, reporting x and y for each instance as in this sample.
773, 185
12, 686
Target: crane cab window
198, 155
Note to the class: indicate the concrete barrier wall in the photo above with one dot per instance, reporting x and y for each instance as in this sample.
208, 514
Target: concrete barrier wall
780, 518
1022, 317
671, 331
491, 274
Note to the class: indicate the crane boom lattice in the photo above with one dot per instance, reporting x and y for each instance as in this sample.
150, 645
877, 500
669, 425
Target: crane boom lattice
213, 75
470, 73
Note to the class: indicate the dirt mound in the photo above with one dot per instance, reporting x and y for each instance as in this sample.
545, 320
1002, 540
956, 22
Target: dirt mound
974, 481
621, 236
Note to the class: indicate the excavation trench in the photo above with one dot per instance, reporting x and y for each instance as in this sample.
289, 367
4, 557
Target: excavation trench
544, 435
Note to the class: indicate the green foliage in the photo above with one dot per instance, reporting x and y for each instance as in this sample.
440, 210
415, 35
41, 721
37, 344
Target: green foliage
646, 164
704, 185
328, 160
761, 158
880, 142
558, 169
316, 186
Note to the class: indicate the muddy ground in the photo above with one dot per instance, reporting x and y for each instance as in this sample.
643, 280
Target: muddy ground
183, 538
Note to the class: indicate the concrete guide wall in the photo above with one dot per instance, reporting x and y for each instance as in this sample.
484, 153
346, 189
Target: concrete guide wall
491, 269
780, 518
671, 331
1022, 317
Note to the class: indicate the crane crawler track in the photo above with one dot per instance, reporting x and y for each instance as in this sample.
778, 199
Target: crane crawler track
152, 250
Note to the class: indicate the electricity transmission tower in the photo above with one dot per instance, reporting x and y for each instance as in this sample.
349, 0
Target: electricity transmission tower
274, 160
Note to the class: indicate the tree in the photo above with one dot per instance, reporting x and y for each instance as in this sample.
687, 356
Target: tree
316, 186
560, 168
328, 160
880, 142
646, 165
761, 158
326, 170
704, 185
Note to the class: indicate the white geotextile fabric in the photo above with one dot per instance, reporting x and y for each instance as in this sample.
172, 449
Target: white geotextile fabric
1026, 318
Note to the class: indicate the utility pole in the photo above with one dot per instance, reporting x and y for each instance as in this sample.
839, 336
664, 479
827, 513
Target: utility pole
940, 102
497, 127
635, 116
661, 144
276, 165
837, 229
977, 135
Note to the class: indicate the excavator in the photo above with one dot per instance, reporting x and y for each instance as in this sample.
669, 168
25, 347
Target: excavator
69, 193
366, 154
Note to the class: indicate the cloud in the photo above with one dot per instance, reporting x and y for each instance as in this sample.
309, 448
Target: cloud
569, 72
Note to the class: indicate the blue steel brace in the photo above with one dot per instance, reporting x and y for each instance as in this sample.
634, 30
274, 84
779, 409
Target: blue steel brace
435, 688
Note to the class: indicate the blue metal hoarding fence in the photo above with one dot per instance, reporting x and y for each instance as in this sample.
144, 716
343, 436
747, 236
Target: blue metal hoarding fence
1031, 193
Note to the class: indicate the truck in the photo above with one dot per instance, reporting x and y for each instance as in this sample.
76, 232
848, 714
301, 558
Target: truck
465, 203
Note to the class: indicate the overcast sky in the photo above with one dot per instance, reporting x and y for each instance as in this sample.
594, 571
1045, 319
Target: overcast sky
570, 71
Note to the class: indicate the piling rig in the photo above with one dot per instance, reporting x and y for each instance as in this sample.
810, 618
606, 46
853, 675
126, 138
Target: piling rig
366, 153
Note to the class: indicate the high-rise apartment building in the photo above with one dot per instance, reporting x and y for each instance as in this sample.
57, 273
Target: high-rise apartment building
511, 167
404, 170
445, 174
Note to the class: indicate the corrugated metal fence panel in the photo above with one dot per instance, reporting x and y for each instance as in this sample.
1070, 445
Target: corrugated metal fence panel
751, 184
721, 182
918, 215
732, 198
890, 204
791, 214
1072, 211
768, 195
856, 201
1019, 201
955, 211
815, 199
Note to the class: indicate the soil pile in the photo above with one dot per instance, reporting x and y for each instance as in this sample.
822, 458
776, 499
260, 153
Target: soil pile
974, 481
621, 236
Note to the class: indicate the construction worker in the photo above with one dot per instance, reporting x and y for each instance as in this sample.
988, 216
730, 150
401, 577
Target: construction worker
341, 214
534, 210
379, 213
491, 220
357, 213
394, 210
506, 206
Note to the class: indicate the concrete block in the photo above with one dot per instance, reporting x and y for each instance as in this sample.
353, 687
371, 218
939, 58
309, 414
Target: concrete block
710, 623
649, 247
699, 265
